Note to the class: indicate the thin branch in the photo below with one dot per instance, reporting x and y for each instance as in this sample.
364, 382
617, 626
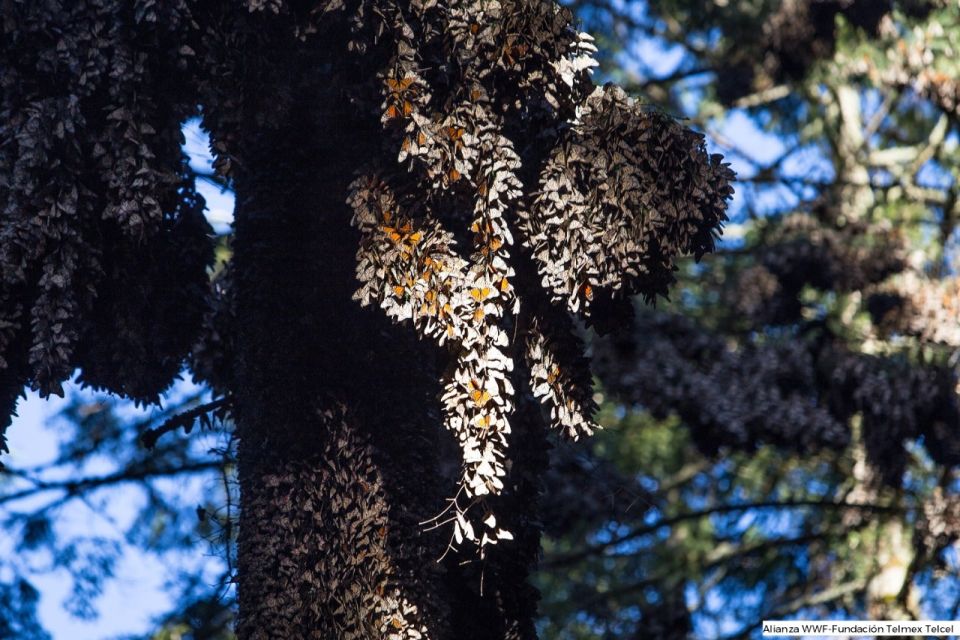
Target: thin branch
889, 99
809, 600
675, 76
763, 97
645, 530
211, 177
185, 419
718, 559
74, 488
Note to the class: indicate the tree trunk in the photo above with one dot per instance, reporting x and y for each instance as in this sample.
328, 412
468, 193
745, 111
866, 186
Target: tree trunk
329, 544
341, 454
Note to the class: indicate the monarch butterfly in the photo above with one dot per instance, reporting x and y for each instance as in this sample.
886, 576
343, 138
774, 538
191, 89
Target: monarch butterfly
480, 293
393, 112
479, 397
478, 394
492, 246
487, 227
399, 86
553, 375
511, 50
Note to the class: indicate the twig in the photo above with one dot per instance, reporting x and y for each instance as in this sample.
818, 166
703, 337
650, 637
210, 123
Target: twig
186, 419
74, 488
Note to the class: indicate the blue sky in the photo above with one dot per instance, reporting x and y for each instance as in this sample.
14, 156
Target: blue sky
135, 595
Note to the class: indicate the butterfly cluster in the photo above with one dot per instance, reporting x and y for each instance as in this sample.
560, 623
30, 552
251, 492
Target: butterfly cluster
623, 193
596, 195
103, 245
357, 519
797, 394
801, 251
510, 196
921, 307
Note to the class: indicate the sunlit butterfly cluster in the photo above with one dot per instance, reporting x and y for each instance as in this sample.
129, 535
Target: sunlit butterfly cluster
560, 378
409, 266
919, 306
613, 179
623, 194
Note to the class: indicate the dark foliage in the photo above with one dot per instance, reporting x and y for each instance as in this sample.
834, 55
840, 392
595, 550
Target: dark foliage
103, 237
798, 394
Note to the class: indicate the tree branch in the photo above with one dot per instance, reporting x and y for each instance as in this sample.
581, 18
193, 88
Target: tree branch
185, 419
809, 600
74, 488
567, 559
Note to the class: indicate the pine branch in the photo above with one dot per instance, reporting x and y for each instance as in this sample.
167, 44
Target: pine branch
568, 559
77, 487
809, 600
186, 420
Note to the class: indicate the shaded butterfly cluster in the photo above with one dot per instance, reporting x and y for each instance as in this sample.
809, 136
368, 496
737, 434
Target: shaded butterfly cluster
798, 394
357, 519
938, 525
502, 158
795, 35
801, 251
728, 397
103, 246
898, 401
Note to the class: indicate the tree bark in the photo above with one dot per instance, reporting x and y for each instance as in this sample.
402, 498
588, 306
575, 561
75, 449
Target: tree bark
341, 454
329, 543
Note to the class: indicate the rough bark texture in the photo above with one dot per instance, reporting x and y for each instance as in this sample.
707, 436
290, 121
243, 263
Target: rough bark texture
337, 469
330, 525
322, 553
